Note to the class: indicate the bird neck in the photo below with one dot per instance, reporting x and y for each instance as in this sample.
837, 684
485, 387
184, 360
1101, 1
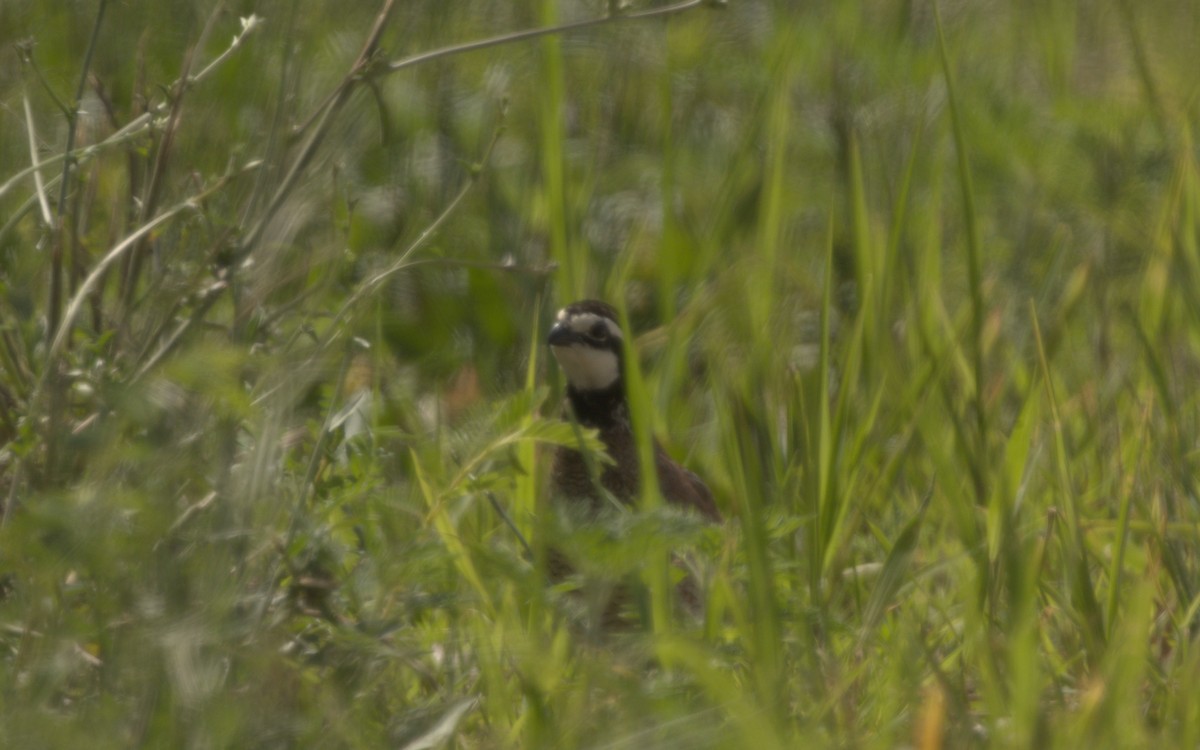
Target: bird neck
598, 408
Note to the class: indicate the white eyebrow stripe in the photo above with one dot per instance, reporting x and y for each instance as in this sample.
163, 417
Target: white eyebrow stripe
583, 322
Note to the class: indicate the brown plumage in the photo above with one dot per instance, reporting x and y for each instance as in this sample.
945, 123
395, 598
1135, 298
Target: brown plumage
589, 345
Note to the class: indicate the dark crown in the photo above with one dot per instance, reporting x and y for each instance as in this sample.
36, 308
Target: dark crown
594, 306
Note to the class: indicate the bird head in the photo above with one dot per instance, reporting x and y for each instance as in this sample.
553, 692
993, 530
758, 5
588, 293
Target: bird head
589, 346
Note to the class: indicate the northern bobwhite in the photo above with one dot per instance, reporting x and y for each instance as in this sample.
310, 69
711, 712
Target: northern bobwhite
589, 345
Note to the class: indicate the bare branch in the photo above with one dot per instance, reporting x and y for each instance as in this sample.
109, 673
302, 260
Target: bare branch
162, 154
518, 36
113, 255
371, 285
73, 117
143, 122
321, 118
332, 104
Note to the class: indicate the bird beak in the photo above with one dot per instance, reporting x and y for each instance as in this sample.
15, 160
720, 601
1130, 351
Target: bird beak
562, 335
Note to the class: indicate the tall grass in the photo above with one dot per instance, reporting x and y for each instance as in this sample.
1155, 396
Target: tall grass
915, 290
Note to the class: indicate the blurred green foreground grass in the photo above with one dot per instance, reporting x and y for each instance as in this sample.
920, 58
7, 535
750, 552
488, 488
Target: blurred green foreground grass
918, 293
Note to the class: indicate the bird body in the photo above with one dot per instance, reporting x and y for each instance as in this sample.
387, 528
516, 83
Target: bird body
588, 343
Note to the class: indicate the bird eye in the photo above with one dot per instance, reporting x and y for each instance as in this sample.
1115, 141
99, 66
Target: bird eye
599, 332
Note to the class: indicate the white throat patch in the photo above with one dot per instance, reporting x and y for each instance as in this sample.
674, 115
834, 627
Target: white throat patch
587, 369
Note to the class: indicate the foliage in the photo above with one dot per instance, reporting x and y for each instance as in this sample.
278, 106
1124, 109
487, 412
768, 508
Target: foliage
918, 293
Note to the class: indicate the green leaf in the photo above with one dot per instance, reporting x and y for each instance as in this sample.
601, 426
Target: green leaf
895, 570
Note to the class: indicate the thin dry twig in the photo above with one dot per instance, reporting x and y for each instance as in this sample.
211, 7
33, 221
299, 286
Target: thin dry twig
518, 36
328, 109
162, 154
364, 68
118, 250
371, 285
73, 112
144, 122
207, 299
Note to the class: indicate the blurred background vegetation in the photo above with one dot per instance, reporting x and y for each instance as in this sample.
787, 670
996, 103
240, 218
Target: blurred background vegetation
918, 292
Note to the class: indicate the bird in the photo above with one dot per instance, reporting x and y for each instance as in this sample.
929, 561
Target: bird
589, 345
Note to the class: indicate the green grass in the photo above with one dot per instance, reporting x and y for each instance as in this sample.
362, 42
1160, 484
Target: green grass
917, 290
